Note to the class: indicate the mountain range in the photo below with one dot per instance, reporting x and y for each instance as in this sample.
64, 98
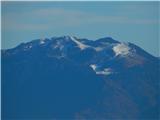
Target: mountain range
77, 79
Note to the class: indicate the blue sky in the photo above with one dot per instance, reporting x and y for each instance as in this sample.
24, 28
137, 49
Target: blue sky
135, 22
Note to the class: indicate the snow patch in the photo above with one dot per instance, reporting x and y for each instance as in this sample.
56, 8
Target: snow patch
105, 71
121, 49
93, 66
27, 47
81, 45
59, 45
42, 41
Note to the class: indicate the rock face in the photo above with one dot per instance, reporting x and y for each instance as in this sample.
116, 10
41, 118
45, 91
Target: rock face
71, 78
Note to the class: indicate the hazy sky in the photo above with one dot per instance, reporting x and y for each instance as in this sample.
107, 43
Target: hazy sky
135, 22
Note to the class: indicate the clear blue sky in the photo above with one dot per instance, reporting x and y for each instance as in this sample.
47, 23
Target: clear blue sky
135, 22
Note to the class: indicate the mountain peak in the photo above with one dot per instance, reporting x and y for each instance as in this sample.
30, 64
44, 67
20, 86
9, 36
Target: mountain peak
107, 39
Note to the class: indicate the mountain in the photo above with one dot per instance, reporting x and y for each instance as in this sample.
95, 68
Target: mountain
72, 78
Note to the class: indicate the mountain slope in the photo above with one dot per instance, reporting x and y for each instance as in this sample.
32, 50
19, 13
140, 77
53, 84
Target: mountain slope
71, 78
